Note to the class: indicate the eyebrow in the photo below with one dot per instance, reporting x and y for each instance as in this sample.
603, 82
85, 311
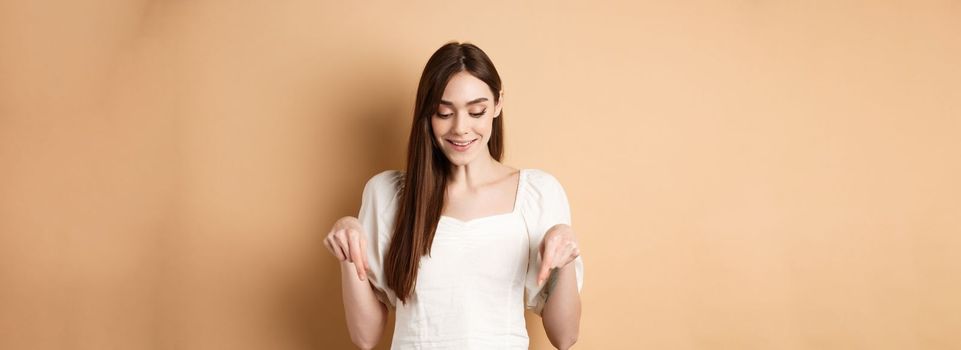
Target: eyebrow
477, 100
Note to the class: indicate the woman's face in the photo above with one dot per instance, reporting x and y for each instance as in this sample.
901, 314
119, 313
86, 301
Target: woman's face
464, 119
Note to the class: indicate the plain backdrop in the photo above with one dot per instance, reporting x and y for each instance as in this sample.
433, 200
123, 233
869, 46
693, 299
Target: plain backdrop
742, 174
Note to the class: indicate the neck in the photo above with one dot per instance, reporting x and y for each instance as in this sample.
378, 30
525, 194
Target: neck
481, 171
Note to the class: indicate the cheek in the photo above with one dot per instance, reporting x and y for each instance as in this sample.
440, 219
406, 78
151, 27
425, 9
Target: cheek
487, 127
438, 127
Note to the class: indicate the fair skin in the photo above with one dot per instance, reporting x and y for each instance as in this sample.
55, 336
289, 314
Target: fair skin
479, 186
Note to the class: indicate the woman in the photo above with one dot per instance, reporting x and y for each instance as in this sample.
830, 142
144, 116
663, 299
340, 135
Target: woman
460, 243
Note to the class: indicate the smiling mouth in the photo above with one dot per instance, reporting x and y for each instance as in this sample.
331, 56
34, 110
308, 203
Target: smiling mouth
461, 144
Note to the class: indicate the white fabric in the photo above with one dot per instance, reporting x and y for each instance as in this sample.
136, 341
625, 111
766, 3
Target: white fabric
472, 290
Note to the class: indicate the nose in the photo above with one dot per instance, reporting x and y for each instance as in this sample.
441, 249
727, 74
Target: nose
461, 125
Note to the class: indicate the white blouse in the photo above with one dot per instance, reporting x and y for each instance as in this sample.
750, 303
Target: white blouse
472, 290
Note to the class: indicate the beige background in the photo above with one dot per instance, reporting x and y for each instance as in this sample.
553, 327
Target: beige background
743, 174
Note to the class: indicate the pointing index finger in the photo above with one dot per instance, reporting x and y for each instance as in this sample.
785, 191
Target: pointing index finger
546, 263
357, 258
363, 259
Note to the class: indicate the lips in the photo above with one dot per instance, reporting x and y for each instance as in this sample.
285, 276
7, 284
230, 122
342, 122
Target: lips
461, 146
461, 143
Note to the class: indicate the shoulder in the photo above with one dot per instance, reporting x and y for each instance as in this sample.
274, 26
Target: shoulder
542, 187
542, 180
386, 177
545, 203
387, 182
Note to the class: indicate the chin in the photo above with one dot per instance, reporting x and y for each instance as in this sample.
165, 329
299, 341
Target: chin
459, 161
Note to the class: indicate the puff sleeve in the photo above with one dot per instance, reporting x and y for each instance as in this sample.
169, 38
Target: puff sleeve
376, 216
545, 205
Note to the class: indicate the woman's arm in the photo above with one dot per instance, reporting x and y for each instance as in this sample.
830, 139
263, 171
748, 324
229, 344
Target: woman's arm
365, 314
562, 310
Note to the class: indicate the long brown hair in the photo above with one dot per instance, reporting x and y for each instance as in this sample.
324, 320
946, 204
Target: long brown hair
425, 182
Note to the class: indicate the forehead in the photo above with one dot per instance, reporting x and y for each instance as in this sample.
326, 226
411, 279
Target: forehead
464, 87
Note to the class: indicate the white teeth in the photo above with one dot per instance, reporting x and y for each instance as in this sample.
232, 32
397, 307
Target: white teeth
462, 144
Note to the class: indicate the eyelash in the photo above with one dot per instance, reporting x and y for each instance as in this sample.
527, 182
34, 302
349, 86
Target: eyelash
475, 115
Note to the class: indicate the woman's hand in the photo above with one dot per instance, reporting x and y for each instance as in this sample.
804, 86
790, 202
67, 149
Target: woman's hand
346, 242
558, 248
